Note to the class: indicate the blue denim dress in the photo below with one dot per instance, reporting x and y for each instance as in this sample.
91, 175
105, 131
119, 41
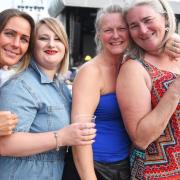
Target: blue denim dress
42, 105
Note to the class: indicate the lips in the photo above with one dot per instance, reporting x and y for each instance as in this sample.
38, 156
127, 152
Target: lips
116, 43
11, 53
51, 52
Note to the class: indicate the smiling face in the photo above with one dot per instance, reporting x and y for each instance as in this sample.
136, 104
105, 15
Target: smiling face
48, 50
114, 33
146, 27
14, 41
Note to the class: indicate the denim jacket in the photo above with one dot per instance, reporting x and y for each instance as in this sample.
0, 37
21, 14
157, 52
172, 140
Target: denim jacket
42, 105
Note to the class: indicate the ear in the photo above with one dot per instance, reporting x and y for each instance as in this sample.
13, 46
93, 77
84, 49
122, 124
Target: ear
166, 21
98, 35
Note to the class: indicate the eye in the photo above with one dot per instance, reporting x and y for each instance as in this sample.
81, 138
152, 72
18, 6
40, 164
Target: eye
57, 39
107, 30
24, 40
133, 26
147, 20
9, 33
122, 29
43, 38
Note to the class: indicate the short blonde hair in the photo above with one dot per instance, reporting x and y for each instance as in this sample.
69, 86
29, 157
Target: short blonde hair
58, 28
162, 7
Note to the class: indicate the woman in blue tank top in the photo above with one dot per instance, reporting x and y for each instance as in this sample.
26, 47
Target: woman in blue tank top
94, 93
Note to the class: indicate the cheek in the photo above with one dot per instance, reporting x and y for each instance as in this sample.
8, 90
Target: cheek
133, 34
62, 49
104, 38
37, 46
24, 49
126, 36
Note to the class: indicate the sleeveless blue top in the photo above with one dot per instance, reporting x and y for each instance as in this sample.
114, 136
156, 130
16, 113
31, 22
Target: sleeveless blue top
112, 143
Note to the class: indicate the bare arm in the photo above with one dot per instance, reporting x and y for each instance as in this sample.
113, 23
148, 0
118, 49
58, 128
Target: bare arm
143, 124
23, 142
86, 93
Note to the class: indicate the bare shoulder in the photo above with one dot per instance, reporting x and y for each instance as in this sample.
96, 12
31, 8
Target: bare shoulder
89, 71
90, 68
132, 66
134, 69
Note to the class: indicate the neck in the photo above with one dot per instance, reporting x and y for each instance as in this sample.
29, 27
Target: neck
112, 60
160, 59
49, 72
1, 66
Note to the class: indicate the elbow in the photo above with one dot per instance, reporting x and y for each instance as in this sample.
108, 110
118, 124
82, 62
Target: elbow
4, 150
140, 144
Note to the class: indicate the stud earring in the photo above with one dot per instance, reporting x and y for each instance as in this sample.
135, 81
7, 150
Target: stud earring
166, 29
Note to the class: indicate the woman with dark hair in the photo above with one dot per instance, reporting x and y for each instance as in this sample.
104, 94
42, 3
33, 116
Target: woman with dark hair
16, 29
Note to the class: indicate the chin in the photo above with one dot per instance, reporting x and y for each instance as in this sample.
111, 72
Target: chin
118, 51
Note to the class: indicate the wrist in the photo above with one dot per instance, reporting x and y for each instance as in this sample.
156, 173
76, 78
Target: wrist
56, 137
174, 94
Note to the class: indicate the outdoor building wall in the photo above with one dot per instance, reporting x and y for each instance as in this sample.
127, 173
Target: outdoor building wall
81, 30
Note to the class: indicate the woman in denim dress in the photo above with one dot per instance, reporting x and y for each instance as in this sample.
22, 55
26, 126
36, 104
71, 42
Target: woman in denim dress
42, 102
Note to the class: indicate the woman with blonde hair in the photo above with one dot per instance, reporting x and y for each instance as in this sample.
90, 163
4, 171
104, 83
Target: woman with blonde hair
148, 91
42, 102
94, 93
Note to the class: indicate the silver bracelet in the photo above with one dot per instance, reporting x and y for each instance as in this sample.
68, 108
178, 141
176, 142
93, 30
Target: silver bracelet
56, 138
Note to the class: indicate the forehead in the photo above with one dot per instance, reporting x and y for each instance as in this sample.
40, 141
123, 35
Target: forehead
140, 12
19, 24
44, 29
113, 19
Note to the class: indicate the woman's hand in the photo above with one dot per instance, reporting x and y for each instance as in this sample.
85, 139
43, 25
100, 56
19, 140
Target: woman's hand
77, 134
172, 47
175, 88
8, 122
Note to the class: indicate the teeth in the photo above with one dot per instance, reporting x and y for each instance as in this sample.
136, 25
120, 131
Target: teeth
51, 52
116, 43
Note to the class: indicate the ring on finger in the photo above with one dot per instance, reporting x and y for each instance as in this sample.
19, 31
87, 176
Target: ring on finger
174, 44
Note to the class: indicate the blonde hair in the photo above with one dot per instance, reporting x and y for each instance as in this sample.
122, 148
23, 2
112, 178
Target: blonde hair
162, 7
58, 28
5, 16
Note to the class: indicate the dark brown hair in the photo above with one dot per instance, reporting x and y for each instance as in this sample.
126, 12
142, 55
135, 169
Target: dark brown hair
5, 16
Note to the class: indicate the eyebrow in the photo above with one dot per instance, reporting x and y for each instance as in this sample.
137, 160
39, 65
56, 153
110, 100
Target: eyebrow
144, 18
9, 29
147, 17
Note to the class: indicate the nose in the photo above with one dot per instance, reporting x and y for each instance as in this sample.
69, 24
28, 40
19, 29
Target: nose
115, 33
143, 28
16, 41
51, 42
